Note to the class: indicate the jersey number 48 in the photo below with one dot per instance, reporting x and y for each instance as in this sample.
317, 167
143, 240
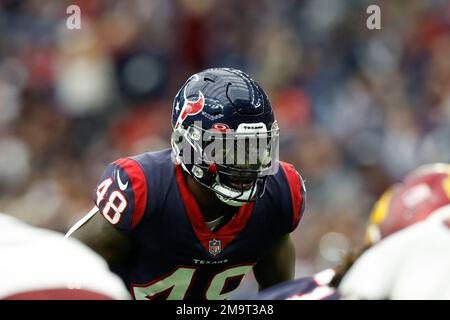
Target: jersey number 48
115, 204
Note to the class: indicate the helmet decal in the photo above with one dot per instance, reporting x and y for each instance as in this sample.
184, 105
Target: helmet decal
190, 108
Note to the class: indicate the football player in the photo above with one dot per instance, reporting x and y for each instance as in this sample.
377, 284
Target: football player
397, 252
38, 264
317, 287
413, 261
191, 221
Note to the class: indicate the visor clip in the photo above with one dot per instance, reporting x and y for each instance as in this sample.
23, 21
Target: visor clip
212, 169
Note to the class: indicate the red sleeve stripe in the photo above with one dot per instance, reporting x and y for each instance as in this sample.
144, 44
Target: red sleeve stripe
295, 187
139, 185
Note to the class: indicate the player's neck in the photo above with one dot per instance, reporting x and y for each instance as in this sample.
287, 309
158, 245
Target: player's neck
210, 206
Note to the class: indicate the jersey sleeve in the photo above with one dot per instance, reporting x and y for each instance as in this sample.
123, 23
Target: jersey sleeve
121, 194
297, 191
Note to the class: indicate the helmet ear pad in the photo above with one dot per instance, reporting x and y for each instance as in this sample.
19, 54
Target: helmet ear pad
195, 166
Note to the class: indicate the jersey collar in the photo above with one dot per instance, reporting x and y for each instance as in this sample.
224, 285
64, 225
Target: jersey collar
225, 234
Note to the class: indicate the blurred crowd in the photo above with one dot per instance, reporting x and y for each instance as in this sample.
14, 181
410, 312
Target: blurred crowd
357, 108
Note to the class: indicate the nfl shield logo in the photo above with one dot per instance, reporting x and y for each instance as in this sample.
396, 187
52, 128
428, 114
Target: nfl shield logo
214, 247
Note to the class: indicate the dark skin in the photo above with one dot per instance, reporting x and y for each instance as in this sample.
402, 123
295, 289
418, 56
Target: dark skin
277, 266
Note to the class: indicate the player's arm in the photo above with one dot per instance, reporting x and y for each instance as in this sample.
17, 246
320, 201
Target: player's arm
278, 265
121, 199
98, 234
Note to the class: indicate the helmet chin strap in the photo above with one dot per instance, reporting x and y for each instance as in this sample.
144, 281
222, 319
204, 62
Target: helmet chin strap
233, 197
230, 202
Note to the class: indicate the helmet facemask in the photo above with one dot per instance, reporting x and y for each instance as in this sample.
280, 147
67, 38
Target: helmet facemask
233, 164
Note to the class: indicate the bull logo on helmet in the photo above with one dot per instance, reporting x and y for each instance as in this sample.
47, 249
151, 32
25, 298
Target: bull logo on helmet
190, 108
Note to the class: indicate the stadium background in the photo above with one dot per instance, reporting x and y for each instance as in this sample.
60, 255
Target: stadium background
357, 107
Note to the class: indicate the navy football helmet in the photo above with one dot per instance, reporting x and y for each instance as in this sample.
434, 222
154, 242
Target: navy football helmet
225, 134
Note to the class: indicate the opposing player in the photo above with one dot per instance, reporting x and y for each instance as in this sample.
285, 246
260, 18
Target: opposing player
413, 261
39, 264
316, 287
395, 252
191, 222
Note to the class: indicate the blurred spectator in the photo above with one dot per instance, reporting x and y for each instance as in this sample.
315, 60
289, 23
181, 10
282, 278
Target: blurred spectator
357, 108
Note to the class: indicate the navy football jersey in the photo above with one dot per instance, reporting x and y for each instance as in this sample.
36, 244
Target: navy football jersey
308, 288
176, 256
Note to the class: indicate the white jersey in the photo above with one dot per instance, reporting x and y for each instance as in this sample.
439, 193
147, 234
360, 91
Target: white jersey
39, 260
411, 264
